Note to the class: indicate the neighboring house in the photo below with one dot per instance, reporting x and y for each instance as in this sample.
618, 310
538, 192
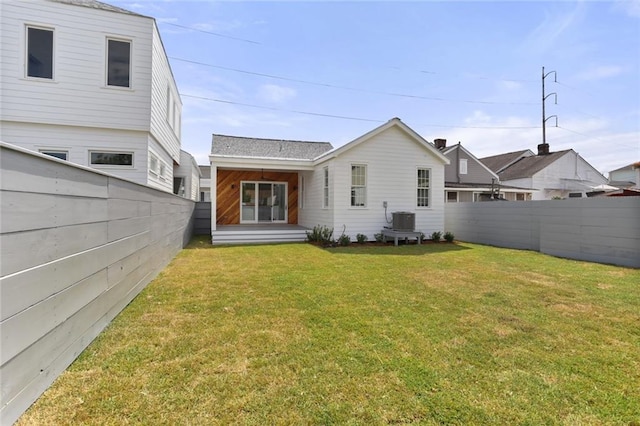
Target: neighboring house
467, 179
205, 183
354, 188
626, 177
186, 177
562, 174
89, 83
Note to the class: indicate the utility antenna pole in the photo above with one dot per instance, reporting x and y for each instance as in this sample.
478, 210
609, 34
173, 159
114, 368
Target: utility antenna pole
544, 116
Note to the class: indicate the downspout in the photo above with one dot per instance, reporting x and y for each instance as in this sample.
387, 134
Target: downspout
458, 162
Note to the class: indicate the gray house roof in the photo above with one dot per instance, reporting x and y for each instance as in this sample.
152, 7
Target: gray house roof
237, 146
97, 5
498, 162
528, 166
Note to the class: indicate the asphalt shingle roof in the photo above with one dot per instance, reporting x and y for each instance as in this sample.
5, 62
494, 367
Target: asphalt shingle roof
498, 162
98, 5
528, 166
238, 146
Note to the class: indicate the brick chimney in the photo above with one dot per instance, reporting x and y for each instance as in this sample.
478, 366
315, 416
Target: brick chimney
543, 149
440, 143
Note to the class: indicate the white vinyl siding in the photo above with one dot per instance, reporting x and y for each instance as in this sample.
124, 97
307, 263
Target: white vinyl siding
39, 52
358, 185
423, 186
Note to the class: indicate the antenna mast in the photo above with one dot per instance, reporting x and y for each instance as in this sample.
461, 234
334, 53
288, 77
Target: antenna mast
544, 98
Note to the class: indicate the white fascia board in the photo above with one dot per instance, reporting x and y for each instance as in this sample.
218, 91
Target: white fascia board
254, 163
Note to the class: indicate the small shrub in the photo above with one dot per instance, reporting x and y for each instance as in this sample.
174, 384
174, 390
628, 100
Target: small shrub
320, 234
435, 236
379, 237
344, 240
448, 237
361, 238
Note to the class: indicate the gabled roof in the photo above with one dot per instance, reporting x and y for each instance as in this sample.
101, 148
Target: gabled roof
452, 148
528, 166
499, 162
394, 122
237, 146
98, 5
627, 167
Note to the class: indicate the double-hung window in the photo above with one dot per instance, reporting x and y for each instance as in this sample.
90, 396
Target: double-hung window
358, 185
423, 182
40, 53
118, 63
325, 188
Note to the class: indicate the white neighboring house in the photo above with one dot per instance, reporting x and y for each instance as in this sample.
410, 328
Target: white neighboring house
276, 184
626, 177
89, 83
561, 174
186, 177
205, 183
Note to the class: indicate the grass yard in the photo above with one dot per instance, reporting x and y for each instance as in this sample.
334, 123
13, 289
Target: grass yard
296, 334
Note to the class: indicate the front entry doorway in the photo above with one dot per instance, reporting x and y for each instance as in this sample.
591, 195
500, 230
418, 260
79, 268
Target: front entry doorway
263, 202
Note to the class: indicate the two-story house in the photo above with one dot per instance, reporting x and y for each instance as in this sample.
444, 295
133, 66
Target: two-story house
560, 174
90, 83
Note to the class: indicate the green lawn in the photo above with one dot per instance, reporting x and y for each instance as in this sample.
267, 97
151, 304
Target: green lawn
296, 334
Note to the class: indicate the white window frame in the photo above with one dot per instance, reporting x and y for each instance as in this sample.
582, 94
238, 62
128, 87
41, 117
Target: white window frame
154, 164
421, 187
26, 52
353, 187
463, 166
325, 187
51, 152
447, 197
112, 166
106, 63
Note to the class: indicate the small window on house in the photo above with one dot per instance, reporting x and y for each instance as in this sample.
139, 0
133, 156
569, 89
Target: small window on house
178, 186
162, 174
358, 185
463, 166
452, 196
98, 158
325, 187
118, 63
575, 195
39, 53
153, 164
519, 196
423, 184
63, 155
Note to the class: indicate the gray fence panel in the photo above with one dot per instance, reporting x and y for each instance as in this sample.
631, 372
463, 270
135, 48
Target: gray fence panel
605, 230
76, 247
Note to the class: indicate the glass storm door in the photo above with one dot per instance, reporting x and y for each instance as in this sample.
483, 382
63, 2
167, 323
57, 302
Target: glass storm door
263, 202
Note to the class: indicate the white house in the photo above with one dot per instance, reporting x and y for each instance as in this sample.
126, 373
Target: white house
626, 177
276, 187
89, 83
186, 177
467, 179
561, 174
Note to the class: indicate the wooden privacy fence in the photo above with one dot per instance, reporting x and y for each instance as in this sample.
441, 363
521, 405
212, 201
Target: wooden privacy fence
76, 247
604, 230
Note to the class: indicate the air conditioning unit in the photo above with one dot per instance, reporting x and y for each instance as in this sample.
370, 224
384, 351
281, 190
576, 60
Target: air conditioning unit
404, 221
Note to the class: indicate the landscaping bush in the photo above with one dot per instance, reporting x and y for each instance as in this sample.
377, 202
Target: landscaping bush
379, 237
344, 240
436, 236
320, 234
448, 237
361, 238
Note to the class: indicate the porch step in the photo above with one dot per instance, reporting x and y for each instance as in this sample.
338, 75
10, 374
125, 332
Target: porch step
258, 235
